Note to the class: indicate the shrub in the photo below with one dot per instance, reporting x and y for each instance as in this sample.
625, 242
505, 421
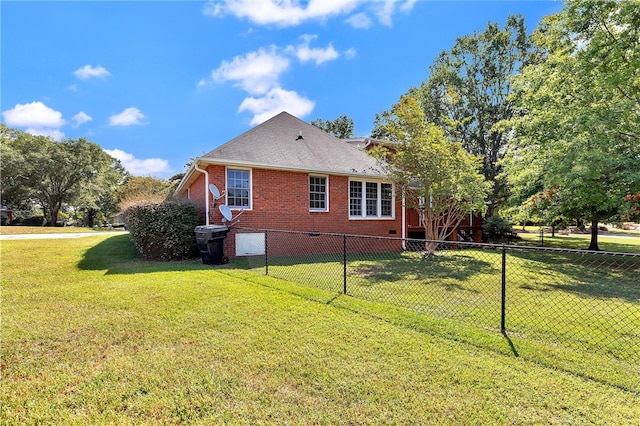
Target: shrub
497, 228
163, 231
33, 221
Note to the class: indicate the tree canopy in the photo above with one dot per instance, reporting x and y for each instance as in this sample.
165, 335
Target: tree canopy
466, 94
73, 171
138, 189
341, 127
436, 175
579, 112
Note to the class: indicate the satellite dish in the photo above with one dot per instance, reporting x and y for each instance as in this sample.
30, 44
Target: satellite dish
226, 212
214, 191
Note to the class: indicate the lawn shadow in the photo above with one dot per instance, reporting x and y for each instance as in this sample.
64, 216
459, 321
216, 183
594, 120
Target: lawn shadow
117, 255
512, 346
450, 269
589, 274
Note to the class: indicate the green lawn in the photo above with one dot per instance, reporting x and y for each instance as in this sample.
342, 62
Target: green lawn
559, 306
92, 335
15, 230
613, 240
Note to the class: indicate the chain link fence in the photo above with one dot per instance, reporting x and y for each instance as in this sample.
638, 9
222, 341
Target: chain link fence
582, 299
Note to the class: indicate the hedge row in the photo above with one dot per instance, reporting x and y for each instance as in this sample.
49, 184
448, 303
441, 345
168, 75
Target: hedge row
163, 231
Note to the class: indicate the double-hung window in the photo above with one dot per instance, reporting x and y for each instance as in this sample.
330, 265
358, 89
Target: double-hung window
318, 194
239, 188
370, 200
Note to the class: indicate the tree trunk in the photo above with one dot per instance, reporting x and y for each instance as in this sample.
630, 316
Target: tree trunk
91, 217
54, 216
593, 245
55, 209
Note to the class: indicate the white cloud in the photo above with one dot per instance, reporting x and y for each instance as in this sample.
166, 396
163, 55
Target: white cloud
258, 73
35, 114
127, 117
140, 167
407, 6
81, 118
283, 13
274, 102
385, 10
305, 53
88, 72
288, 13
350, 53
55, 134
359, 20
37, 118
255, 72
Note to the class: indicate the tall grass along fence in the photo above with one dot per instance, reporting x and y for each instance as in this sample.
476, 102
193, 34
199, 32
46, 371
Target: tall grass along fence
558, 297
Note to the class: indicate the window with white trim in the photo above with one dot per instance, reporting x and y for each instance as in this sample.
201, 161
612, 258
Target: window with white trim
239, 188
318, 190
386, 199
370, 200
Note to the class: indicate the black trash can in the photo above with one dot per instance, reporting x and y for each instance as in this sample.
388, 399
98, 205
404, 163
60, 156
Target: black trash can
210, 239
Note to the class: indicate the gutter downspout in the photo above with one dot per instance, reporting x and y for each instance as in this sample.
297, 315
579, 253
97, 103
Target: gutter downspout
206, 190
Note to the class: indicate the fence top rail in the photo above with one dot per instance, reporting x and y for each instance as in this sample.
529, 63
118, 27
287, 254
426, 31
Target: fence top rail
576, 251
450, 243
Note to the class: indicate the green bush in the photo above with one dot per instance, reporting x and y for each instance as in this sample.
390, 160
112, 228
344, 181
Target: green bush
31, 221
497, 229
163, 231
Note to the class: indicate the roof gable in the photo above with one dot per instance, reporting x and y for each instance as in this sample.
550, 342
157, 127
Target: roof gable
287, 142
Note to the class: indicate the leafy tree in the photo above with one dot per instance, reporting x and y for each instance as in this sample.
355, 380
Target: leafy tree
14, 176
631, 208
51, 173
497, 229
175, 180
436, 175
98, 197
341, 127
467, 92
580, 112
138, 189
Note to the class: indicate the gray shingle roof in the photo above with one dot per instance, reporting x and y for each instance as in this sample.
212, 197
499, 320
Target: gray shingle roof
287, 142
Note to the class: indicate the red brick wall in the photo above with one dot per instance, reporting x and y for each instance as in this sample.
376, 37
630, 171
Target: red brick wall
281, 201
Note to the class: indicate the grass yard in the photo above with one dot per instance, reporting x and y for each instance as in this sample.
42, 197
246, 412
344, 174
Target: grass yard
614, 240
91, 335
576, 313
16, 230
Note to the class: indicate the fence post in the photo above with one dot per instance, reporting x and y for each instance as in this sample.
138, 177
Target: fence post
344, 263
504, 290
266, 254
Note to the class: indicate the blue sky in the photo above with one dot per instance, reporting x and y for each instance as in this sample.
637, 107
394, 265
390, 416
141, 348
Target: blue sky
158, 83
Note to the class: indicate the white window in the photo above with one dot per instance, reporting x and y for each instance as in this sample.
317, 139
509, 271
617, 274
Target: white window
239, 189
386, 199
318, 190
370, 200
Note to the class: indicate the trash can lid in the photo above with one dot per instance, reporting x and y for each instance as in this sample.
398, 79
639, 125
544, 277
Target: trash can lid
212, 228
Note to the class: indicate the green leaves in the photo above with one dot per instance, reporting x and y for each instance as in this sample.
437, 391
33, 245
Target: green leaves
38, 169
580, 109
467, 92
162, 231
341, 127
438, 177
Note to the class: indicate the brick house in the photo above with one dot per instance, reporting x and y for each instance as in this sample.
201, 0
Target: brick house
287, 174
